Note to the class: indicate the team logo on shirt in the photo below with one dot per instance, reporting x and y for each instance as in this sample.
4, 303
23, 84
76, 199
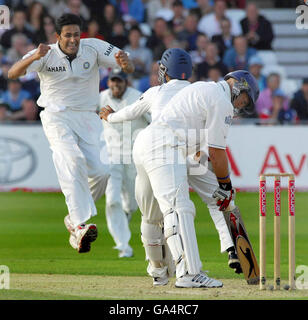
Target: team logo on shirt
228, 120
56, 69
86, 65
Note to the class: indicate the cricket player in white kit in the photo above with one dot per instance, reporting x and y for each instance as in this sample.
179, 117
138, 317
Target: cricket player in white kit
120, 137
195, 108
153, 101
69, 80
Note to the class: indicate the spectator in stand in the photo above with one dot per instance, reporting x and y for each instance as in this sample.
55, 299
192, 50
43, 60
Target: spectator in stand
210, 24
190, 4
257, 29
203, 8
4, 111
255, 65
238, 4
150, 80
35, 15
179, 14
299, 103
237, 57
5, 66
198, 55
3, 58
131, 11
224, 40
76, 7
95, 7
108, 19
19, 47
214, 74
160, 7
79, 9
92, 31
19, 101
273, 104
165, 12
19, 25
48, 34
211, 61
118, 35
155, 41
141, 56
190, 33
170, 41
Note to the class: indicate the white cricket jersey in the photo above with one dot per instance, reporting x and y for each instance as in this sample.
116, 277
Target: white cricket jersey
72, 85
152, 101
202, 105
120, 137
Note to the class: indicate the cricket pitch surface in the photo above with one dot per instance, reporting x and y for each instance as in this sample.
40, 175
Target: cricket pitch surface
88, 287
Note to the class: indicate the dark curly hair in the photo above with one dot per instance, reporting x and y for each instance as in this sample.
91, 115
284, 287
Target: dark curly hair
67, 19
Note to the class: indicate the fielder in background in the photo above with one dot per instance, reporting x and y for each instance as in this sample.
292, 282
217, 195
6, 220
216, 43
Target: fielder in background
174, 63
120, 137
69, 75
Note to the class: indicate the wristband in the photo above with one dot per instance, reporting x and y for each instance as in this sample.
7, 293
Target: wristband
225, 186
224, 178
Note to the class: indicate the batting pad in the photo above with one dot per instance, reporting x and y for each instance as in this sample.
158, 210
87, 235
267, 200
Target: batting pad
152, 239
189, 239
156, 249
181, 238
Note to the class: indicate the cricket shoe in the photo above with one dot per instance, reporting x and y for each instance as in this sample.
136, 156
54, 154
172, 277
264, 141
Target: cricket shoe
127, 253
82, 237
200, 280
160, 281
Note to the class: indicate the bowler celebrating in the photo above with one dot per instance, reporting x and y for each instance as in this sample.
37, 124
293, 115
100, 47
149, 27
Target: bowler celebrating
69, 76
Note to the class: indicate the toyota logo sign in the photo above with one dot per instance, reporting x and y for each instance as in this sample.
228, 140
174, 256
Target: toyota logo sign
17, 160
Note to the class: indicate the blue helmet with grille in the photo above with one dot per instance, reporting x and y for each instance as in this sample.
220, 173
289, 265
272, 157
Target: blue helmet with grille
246, 82
176, 63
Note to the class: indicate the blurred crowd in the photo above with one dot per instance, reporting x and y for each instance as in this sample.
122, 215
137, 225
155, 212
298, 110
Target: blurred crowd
217, 42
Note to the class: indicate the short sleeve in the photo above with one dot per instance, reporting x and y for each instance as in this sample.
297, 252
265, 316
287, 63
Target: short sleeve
105, 53
137, 109
218, 121
36, 65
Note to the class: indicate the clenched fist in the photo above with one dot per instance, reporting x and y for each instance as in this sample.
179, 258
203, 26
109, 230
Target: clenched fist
41, 51
124, 62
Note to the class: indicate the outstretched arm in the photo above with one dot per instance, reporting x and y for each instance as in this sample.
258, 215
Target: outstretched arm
130, 112
20, 67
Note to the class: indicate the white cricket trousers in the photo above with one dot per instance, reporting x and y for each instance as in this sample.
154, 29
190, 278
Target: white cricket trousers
161, 166
74, 141
120, 199
204, 185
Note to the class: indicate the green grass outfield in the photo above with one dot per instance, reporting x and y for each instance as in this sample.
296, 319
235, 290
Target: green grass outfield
34, 245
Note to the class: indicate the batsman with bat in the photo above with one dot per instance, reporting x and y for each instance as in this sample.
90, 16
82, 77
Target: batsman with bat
172, 66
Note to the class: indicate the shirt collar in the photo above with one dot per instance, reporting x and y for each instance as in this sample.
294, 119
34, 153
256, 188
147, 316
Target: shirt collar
63, 55
226, 88
175, 80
